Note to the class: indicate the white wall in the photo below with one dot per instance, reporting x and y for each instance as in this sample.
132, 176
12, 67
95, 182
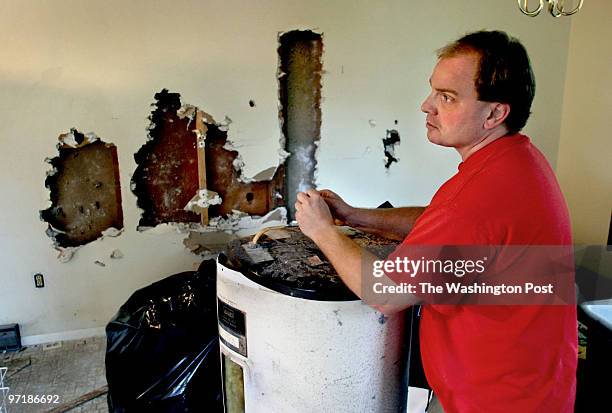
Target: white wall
96, 66
585, 152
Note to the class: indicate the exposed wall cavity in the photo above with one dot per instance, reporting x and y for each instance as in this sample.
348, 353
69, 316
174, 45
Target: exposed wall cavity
224, 177
389, 141
188, 171
300, 67
167, 174
85, 192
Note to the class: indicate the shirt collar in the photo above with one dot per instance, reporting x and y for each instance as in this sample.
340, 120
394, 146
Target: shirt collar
480, 156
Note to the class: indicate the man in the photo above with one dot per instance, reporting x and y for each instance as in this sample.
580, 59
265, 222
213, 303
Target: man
476, 358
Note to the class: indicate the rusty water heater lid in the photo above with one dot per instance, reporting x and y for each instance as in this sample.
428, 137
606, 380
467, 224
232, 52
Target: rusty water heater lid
295, 266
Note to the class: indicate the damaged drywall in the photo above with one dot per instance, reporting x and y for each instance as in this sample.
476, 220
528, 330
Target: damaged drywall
85, 192
208, 242
389, 141
300, 67
202, 200
224, 177
169, 181
166, 177
242, 224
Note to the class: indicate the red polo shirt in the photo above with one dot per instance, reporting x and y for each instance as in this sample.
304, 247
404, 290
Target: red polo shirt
499, 358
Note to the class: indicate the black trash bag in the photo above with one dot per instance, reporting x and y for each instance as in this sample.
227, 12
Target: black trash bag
163, 349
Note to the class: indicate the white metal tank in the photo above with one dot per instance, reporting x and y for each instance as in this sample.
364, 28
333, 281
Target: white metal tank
301, 344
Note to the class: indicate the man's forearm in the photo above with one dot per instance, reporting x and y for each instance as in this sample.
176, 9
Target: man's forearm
348, 260
393, 223
344, 254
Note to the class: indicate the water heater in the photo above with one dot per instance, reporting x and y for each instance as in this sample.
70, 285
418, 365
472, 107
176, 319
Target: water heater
294, 339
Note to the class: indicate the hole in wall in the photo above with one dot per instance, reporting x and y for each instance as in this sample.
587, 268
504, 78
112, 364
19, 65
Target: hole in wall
85, 191
167, 173
253, 198
300, 67
167, 176
389, 142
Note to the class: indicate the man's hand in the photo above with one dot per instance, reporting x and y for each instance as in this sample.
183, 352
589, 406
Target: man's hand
313, 214
340, 210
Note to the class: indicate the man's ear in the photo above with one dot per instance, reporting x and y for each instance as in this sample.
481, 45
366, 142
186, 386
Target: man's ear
497, 115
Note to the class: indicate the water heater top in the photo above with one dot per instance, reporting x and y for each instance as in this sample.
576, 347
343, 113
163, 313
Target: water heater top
290, 263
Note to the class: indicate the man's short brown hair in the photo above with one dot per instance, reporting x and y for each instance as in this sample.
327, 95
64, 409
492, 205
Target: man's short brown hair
504, 72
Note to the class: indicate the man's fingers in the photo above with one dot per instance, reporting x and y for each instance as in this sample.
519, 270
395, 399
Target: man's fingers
312, 192
302, 197
328, 193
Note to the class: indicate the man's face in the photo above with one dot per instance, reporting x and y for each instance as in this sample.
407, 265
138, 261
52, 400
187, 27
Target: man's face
455, 116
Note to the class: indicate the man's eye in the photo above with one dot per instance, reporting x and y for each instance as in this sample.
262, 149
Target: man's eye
446, 98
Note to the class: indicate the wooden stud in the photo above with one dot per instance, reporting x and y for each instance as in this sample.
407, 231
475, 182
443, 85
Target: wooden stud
201, 127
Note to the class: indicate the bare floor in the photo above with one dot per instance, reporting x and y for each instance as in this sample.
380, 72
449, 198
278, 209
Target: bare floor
70, 369
67, 369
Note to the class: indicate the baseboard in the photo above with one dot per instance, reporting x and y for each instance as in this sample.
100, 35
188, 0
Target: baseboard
62, 336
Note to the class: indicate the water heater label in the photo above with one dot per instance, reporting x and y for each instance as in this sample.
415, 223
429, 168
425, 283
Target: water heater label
229, 338
232, 327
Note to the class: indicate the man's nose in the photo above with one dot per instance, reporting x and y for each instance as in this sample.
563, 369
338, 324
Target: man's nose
426, 106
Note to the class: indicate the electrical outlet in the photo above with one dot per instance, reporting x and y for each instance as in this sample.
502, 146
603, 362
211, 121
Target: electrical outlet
39, 280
